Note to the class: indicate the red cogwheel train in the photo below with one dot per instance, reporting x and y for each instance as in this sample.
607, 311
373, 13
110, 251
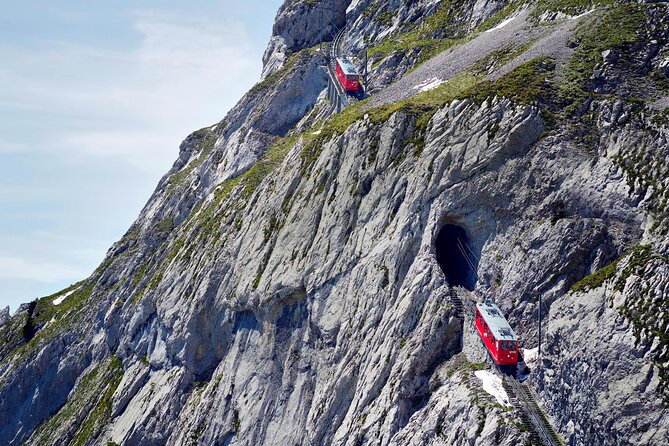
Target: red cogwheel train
347, 74
496, 333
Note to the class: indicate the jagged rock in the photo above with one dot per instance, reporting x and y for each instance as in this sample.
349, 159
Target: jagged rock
301, 24
664, 67
4, 316
609, 56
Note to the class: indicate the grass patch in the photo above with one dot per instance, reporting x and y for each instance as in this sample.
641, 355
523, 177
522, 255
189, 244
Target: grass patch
646, 310
526, 84
617, 29
204, 141
436, 34
569, 7
88, 407
596, 279
47, 321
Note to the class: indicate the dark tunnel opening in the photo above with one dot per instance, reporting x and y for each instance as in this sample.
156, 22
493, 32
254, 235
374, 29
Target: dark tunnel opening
455, 256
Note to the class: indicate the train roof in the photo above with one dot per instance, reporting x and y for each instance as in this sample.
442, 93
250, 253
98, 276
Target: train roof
347, 66
496, 322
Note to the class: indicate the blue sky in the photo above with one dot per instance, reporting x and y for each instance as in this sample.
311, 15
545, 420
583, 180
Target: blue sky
95, 98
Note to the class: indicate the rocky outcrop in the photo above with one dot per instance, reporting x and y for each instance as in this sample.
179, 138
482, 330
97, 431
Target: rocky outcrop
302, 24
4, 316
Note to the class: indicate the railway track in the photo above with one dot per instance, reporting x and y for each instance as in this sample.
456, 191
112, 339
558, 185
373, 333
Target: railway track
463, 304
336, 93
532, 416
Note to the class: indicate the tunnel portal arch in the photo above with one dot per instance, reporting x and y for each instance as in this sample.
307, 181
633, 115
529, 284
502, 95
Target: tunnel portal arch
455, 256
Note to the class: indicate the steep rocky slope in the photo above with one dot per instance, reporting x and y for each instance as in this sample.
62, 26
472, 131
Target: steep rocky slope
282, 286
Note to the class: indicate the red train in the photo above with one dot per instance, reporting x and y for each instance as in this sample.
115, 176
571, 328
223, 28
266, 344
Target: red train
496, 333
347, 74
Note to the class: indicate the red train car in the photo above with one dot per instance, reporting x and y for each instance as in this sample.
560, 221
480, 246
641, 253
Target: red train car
496, 333
347, 74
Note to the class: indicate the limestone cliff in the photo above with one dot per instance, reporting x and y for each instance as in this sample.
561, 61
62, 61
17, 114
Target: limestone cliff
288, 283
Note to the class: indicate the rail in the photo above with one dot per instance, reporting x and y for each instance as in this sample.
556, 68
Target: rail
521, 396
336, 93
533, 417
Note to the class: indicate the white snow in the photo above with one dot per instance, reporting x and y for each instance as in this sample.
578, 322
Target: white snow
493, 385
59, 300
352, 6
582, 15
429, 84
530, 356
502, 24
318, 132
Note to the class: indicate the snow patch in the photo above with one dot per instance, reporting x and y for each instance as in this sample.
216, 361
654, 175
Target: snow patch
59, 300
318, 132
502, 24
530, 356
429, 84
582, 15
352, 6
493, 385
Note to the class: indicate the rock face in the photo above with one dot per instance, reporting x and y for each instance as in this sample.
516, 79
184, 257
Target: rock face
282, 285
4, 316
302, 24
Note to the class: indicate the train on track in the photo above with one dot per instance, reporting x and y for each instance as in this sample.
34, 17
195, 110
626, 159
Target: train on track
348, 75
497, 335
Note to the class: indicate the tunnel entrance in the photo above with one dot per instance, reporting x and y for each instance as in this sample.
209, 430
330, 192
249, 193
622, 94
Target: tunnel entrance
455, 257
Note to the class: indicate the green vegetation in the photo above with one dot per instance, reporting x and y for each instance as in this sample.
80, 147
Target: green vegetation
236, 424
101, 411
474, 366
436, 34
47, 321
498, 58
569, 7
204, 144
294, 61
527, 83
617, 30
639, 258
208, 219
88, 407
423, 103
500, 16
596, 279
166, 225
644, 169
646, 310
140, 274
272, 227
662, 118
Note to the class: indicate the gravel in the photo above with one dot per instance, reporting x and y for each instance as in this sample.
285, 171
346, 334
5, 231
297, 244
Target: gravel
550, 39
